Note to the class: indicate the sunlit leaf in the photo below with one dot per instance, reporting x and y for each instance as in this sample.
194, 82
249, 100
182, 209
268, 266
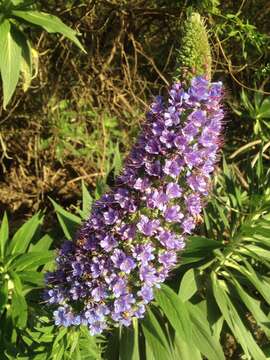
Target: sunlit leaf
10, 60
50, 23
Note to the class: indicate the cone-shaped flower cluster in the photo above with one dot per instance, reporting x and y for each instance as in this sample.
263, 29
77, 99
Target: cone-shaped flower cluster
130, 243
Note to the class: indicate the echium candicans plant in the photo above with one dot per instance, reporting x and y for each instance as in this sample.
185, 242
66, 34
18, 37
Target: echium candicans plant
132, 239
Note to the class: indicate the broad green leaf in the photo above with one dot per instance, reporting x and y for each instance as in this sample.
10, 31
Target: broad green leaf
252, 305
117, 161
182, 351
4, 231
87, 201
42, 245
264, 111
50, 23
26, 61
19, 305
155, 337
32, 277
201, 332
10, 60
88, 345
129, 343
255, 278
69, 222
188, 286
3, 293
199, 248
176, 312
234, 321
31, 260
24, 235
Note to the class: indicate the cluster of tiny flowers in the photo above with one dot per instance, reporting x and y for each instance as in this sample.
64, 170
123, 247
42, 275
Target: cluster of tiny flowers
131, 241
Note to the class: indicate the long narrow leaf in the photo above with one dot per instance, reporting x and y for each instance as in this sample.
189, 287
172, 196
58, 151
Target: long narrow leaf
10, 60
50, 23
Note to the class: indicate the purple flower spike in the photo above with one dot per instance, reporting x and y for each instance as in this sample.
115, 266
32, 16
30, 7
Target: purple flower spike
131, 241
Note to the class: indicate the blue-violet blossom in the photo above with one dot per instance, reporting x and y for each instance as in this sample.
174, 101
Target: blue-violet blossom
130, 242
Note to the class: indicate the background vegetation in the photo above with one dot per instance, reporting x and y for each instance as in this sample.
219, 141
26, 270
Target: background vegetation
77, 120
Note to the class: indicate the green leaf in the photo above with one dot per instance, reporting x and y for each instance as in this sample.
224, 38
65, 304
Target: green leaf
10, 60
234, 321
42, 245
129, 342
4, 231
26, 60
24, 235
19, 305
182, 351
3, 294
252, 305
50, 23
117, 161
198, 248
31, 260
202, 336
69, 222
188, 286
87, 201
255, 278
155, 337
176, 312
32, 277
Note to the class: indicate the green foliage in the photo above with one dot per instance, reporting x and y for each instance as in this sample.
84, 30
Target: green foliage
16, 51
22, 256
256, 110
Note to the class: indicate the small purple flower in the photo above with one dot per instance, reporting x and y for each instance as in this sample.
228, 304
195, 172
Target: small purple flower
54, 296
118, 257
188, 225
190, 131
119, 287
173, 167
198, 118
98, 293
167, 138
157, 199
193, 203
110, 217
198, 183
139, 313
157, 106
146, 226
152, 146
173, 191
127, 265
171, 116
124, 303
128, 232
181, 142
142, 184
77, 268
148, 274
173, 214
144, 253
170, 240
153, 168
167, 258
146, 293
108, 243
